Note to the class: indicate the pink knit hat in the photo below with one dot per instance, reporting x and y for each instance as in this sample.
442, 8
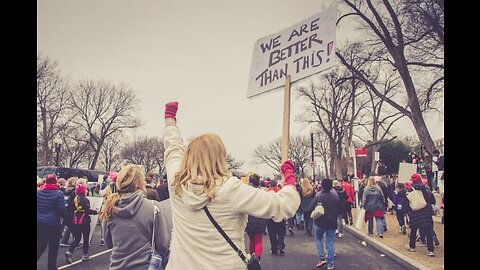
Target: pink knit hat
80, 189
416, 178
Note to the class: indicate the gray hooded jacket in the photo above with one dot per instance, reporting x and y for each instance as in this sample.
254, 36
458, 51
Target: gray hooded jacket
131, 246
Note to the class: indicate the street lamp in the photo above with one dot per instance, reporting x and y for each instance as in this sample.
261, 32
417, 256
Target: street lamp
313, 159
58, 144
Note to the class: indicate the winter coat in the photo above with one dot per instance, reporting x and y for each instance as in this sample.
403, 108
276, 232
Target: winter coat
131, 243
69, 196
256, 225
331, 204
422, 217
350, 192
399, 200
306, 201
342, 196
162, 191
196, 243
50, 207
84, 203
152, 193
373, 199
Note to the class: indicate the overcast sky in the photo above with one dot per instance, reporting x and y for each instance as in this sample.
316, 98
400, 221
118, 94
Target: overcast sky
195, 52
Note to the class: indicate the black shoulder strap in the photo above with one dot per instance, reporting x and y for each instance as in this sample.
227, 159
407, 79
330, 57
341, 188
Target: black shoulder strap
237, 250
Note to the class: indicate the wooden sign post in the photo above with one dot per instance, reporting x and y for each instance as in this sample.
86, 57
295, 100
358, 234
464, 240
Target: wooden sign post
286, 119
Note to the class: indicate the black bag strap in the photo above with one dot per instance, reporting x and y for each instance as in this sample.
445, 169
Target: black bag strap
237, 250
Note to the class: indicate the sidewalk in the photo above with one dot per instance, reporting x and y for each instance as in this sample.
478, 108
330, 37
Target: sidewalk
393, 244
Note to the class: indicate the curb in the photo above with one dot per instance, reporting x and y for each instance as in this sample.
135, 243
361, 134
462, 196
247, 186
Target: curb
388, 251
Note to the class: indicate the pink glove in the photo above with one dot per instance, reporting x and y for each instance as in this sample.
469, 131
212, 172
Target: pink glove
171, 110
287, 171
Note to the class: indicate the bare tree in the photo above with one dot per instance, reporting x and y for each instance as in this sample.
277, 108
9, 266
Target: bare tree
321, 145
270, 155
233, 164
52, 98
110, 155
145, 151
101, 110
74, 146
399, 44
328, 107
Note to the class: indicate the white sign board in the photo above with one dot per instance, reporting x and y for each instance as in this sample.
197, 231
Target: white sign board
377, 156
100, 179
405, 171
301, 50
95, 204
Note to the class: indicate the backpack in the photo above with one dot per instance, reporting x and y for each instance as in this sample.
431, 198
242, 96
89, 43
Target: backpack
416, 199
79, 213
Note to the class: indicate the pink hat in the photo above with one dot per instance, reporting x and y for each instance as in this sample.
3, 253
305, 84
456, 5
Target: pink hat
113, 176
416, 178
51, 179
80, 189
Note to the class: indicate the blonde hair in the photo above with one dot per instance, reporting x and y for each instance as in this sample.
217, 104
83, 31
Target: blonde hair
307, 188
72, 181
81, 181
204, 162
371, 181
130, 179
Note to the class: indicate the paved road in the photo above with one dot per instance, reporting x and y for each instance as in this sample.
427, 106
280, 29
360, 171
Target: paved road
300, 255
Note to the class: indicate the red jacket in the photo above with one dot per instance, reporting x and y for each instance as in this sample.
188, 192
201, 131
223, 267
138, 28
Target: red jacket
349, 190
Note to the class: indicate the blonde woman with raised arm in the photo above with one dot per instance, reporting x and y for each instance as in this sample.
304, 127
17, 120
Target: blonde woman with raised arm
198, 177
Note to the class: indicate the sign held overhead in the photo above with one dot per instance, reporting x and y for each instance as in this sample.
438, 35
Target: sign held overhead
301, 50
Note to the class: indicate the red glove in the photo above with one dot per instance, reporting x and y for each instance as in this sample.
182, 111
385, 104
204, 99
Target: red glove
287, 171
171, 110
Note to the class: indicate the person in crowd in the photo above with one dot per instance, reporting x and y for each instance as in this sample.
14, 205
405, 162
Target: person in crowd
62, 184
112, 186
374, 203
95, 190
40, 183
67, 221
326, 224
361, 187
413, 158
391, 189
299, 218
399, 200
256, 226
152, 194
307, 194
350, 199
342, 197
386, 194
199, 179
50, 209
80, 223
439, 162
162, 190
128, 212
421, 219
381, 168
276, 229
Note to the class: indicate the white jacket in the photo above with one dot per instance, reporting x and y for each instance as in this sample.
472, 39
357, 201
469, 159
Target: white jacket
196, 244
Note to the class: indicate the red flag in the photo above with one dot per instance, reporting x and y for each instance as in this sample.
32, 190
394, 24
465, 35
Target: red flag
361, 152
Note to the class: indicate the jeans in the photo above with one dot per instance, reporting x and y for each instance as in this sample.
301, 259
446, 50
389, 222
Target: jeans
379, 222
400, 218
299, 216
340, 223
79, 231
308, 221
330, 236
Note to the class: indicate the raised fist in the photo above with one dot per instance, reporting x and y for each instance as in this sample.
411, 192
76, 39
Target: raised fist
171, 110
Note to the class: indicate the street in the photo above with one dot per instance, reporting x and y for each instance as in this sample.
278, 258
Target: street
300, 255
